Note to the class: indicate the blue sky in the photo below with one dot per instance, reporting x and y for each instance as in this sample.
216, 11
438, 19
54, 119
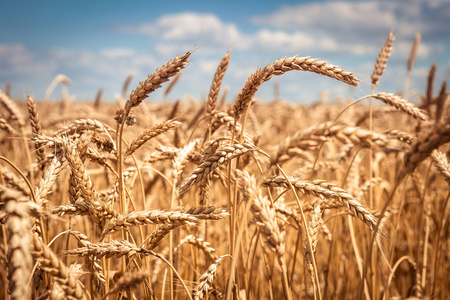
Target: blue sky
98, 43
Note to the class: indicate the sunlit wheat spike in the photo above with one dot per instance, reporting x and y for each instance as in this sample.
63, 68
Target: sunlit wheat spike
382, 59
154, 80
217, 82
52, 264
325, 190
149, 134
402, 104
281, 66
206, 280
221, 157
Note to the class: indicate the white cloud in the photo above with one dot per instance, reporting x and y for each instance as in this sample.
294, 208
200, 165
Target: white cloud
331, 17
356, 26
117, 53
363, 19
270, 40
18, 59
189, 28
287, 42
179, 32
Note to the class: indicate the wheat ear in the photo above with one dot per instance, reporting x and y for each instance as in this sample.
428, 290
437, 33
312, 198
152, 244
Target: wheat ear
441, 163
128, 280
80, 126
48, 178
200, 243
19, 253
217, 82
50, 262
313, 232
428, 141
149, 134
154, 80
317, 134
5, 126
382, 59
206, 280
93, 262
213, 162
440, 102
201, 213
12, 108
413, 53
325, 190
281, 66
35, 126
403, 105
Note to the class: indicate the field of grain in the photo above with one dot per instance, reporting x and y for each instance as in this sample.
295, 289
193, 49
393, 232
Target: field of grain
227, 198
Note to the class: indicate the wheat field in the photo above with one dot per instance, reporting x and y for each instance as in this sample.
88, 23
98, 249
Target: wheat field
227, 198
